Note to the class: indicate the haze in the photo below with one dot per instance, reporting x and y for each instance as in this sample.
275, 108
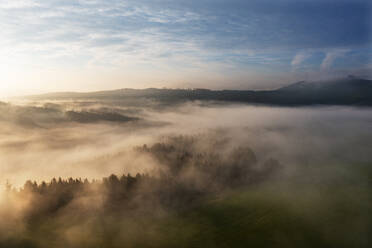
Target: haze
188, 123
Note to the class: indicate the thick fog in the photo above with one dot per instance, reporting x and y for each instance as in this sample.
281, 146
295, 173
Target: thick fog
309, 166
42, 140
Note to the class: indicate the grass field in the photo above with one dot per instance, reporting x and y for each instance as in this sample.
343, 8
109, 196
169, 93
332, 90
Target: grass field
301, 211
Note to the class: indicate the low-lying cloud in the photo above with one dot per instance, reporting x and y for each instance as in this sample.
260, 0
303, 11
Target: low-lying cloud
167, 160
96, 139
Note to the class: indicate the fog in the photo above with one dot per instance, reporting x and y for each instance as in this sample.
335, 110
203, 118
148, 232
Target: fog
313, 163
40, 141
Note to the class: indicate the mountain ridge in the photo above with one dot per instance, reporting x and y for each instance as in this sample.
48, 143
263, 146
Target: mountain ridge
347, 91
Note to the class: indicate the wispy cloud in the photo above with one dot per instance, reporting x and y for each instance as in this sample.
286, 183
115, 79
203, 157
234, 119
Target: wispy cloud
299, 58
171, 36
18, 4
331, 56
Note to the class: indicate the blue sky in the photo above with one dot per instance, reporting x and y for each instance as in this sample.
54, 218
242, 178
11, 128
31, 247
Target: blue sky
48, 45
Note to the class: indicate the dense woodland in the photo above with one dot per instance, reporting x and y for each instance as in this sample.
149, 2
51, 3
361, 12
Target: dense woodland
184, 178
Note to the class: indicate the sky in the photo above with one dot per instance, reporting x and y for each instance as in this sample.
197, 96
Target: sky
87, 45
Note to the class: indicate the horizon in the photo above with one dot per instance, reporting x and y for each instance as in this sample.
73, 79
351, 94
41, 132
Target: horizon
179, 88
103, 45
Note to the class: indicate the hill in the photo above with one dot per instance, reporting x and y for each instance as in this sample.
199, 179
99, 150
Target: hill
347, 91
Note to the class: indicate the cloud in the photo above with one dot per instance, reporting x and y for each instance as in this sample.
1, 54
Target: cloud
331, 57
171, 40
299, 58
18, 4
209, 29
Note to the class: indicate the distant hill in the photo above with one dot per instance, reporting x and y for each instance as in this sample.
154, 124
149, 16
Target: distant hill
347, 91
